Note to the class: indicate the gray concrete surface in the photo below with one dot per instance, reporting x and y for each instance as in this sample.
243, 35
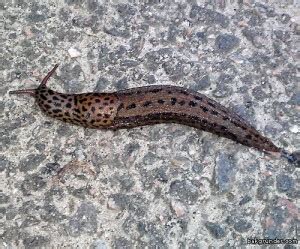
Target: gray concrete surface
165, 186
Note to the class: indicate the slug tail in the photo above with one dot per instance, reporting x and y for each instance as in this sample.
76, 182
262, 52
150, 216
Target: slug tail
293, 158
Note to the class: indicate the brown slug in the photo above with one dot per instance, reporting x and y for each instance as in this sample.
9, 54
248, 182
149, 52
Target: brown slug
150, 105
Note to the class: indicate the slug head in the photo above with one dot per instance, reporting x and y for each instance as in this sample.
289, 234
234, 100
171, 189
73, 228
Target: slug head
32, 92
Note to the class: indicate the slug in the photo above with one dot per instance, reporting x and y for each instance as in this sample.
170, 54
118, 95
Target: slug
150, 105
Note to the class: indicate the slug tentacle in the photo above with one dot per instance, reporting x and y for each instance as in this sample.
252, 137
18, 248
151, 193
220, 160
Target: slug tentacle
150, 105
30, 92
44, 81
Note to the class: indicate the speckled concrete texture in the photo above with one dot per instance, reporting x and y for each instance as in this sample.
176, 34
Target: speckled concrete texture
162, 186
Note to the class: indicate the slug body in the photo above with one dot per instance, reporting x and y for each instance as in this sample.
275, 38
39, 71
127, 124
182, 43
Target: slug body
146, 106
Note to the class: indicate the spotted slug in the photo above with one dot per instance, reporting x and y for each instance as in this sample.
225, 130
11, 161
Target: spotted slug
150, 105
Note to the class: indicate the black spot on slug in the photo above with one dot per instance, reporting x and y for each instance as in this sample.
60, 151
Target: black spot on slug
204, 108
57, 104
232, 136
211, 104
245, 142
56, 110
131, 106
173, 101
84, 109
214, 112
238, 125
47, 106
76, 115
224, 128
77, 110
192, 103
43, 97
127, 93
198, 98
55, 98
93, 109
182, 102
147, 103
50, 92
155, 90
248, 136
120, 107
97, 100
68, 105
243, 127
160, 101
184, 92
